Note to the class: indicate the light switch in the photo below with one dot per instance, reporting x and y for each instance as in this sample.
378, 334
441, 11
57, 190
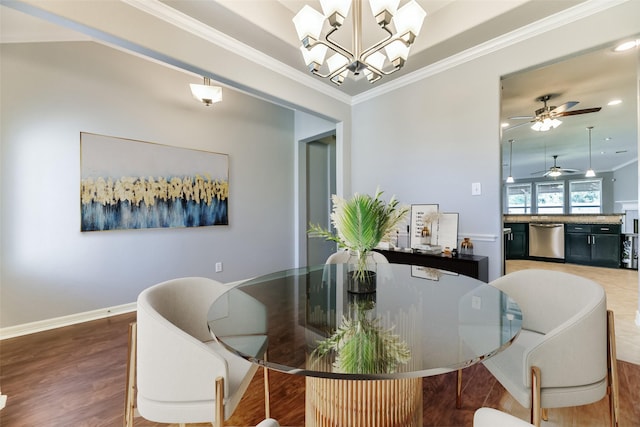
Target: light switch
476, 189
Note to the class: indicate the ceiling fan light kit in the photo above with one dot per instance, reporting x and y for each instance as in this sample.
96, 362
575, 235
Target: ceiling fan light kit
546, 124
371, 62
546, 118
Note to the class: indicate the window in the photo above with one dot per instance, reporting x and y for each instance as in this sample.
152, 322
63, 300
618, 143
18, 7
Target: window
586, 196
550, 198
518, 198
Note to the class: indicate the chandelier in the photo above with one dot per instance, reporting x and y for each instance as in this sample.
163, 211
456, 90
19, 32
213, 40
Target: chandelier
383, 58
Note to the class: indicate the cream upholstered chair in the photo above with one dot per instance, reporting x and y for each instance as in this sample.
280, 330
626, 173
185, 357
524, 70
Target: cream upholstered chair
342, 256
182, 375
489, 417
565, 353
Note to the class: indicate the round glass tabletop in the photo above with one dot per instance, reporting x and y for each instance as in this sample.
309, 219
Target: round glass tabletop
418, 322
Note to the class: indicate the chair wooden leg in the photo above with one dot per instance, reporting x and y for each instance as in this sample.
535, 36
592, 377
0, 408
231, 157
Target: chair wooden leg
219, 410
130, 392
267, 403
459, 389
612, 367
536, 409
545, 414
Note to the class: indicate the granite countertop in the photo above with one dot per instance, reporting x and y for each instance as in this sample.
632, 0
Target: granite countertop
567, 219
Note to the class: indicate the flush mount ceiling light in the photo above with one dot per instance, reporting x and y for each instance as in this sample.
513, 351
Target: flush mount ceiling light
590, 172
510, 177
206, 93
372, 62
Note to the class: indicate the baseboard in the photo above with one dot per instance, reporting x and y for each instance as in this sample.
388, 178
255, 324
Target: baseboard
58, 322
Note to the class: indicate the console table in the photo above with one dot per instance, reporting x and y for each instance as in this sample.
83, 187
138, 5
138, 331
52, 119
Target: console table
470, 265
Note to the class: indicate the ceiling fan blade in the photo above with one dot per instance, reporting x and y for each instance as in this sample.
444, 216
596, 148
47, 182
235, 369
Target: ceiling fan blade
576, 112
522, 118
543, 173
564, 107
516, 126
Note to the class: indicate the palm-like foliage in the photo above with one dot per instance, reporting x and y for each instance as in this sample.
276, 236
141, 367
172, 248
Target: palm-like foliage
362, 346
361, 223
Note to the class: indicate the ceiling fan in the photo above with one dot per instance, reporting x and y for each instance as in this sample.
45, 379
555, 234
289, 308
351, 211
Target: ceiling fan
555, 170
546, 118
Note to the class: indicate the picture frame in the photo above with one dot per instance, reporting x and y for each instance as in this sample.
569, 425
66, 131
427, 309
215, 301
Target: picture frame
131, 184
421, 216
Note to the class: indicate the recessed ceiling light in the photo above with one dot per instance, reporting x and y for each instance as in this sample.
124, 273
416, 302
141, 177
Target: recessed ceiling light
627, 45
608, 138
615, 102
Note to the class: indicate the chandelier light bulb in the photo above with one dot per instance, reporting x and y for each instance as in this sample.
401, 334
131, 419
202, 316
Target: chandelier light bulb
341, 7
308, 23
409, 19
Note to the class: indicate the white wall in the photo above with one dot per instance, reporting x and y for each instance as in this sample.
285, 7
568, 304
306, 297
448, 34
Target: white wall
625, 188
53, 91
429, 141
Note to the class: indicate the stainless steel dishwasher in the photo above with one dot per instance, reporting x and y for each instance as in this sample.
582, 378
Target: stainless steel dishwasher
546, 240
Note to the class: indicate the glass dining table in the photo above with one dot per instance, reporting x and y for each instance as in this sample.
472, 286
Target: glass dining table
364, 354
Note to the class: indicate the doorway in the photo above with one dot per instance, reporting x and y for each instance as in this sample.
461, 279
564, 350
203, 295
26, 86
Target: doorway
320, 185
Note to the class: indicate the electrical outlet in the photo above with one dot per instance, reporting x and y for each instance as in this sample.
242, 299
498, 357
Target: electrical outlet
218, 267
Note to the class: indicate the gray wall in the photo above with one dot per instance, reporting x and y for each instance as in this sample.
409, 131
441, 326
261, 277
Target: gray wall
53, 91
429, 141
426, 143
626, 183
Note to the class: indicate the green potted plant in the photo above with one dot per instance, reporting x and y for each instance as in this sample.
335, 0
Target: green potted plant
361, 223
362, 345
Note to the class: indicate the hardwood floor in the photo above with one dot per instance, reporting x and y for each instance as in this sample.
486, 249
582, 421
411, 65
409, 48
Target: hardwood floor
75, 376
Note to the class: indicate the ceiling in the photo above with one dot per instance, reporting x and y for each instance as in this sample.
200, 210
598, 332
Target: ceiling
452, 28
593, 79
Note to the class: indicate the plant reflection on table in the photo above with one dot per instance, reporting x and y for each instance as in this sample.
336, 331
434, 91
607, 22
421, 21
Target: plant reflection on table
362, 345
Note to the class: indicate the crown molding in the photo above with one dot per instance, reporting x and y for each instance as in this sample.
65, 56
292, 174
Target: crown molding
552, 22
180, 20
161, 11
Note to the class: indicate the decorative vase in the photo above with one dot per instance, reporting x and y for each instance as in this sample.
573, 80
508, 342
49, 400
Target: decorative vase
466, 246
361, 272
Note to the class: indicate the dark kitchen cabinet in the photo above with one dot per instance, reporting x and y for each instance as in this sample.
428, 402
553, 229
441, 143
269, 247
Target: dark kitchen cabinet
516, 242
593, 244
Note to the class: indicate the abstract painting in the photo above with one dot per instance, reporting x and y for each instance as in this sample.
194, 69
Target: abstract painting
128, 184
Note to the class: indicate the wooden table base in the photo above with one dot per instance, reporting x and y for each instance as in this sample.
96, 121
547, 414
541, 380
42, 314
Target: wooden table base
380, 403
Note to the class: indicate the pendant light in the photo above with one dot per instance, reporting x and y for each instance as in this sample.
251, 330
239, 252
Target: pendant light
590, 172
206, 93
510, 179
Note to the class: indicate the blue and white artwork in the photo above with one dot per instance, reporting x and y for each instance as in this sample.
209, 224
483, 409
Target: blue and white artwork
127, 184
